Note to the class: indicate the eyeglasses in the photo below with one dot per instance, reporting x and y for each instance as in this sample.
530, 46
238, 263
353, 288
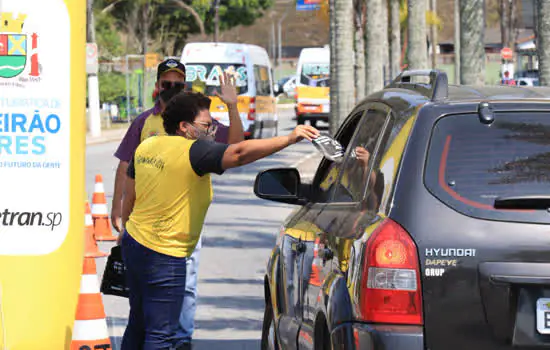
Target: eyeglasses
166, 85
210, 128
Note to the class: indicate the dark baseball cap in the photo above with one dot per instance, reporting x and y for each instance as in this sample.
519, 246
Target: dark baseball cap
170, 65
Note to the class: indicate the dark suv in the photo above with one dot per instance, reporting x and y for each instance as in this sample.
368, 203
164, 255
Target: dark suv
432, 233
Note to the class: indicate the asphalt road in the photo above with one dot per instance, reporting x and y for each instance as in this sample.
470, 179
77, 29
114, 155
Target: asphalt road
240, 231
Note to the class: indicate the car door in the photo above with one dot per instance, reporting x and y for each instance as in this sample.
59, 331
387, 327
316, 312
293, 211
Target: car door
354, 134
352, 179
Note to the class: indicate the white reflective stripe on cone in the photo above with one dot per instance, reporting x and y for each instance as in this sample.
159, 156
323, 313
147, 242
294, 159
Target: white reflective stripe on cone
90, 330
100, 209
88, 221
98, 188
89, 284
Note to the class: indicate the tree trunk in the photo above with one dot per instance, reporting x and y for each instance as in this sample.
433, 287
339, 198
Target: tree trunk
360, 73
503, 22
472, 28
384, 31
333, 118
512, 25
433, 35
543, 40
457, 41
342, 39
417, 54
395, 39
375, 47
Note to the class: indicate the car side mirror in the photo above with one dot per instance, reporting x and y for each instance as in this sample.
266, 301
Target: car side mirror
279, 185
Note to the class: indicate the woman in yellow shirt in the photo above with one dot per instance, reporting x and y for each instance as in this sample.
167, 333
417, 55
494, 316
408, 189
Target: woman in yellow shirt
168, 195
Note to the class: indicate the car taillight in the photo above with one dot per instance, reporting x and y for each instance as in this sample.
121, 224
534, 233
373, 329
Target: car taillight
252, 109
390, 284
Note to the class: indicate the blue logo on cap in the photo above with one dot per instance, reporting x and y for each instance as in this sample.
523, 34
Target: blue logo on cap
172, 64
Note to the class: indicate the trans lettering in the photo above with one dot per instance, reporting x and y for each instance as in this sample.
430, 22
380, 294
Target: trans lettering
50, 220
21, 124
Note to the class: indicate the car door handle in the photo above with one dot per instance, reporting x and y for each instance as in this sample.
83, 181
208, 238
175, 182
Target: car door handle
326, 254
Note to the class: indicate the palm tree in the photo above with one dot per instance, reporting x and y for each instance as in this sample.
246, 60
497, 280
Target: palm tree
431, 19
375, 45
395, 38
342, 66
543, 41
417, 54
472, 55
360, 72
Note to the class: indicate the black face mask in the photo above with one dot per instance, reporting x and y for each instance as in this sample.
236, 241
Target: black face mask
167, 94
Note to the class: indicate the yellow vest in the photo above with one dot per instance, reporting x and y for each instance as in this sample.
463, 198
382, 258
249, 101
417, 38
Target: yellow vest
153, 126
171, 199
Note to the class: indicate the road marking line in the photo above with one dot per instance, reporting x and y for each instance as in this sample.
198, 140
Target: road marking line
309, 156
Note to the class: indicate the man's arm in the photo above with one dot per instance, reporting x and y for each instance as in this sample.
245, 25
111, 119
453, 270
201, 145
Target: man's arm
118, 193
129, 197
124, 153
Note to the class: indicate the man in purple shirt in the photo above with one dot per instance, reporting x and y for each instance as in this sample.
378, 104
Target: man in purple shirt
170, 81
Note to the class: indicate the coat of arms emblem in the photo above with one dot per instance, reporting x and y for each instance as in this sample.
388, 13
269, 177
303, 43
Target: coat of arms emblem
14, 47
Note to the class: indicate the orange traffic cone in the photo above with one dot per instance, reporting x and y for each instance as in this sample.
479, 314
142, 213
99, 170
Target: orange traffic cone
91, 248
90, 326
100, 213
314, 278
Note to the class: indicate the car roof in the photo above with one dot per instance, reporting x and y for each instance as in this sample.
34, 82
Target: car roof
404, 96
415, 94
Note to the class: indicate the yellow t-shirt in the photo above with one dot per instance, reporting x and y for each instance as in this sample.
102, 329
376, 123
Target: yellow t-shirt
173, 192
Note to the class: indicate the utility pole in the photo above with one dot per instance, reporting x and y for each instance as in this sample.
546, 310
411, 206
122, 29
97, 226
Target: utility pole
457, 42
94, 116
280, 37
273, 42
216, 20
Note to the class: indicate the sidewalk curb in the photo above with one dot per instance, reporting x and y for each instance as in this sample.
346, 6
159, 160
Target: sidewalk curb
110, 137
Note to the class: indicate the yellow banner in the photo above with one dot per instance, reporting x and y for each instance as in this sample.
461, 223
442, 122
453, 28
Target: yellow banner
42, 147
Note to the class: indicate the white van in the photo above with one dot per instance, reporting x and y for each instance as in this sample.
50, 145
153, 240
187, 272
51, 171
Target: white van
313, 85
257, 104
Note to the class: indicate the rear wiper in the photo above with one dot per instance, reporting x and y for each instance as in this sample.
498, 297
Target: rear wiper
523, 202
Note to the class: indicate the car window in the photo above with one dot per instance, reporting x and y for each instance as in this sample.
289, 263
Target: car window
328, 171
355, 170
470, 164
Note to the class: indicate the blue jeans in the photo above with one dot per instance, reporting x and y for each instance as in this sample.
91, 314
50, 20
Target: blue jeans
187, 316
157, 287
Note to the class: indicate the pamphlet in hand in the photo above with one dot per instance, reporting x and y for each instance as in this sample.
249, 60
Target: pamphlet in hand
330, 148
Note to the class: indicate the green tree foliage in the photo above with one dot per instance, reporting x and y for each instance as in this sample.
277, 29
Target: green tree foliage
112, 86
107, 37
170, 22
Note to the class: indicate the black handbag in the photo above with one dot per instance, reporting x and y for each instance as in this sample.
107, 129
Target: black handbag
113, 281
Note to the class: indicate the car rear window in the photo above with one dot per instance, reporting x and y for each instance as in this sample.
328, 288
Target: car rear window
470, 163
